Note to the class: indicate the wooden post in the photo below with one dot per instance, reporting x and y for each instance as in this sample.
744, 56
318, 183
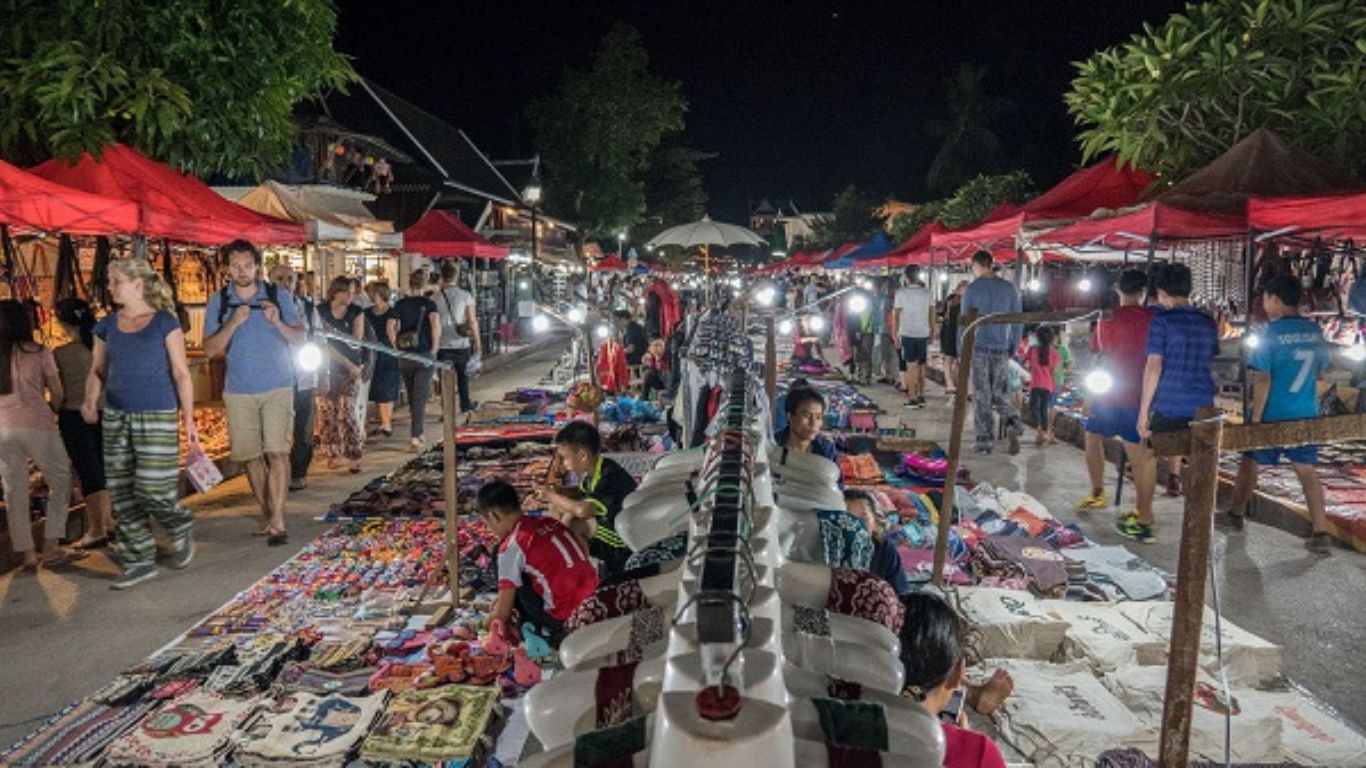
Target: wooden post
1192, 570
450, 410
960, 407
770, 361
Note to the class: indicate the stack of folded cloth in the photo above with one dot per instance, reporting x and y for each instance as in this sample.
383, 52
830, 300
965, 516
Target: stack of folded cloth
1017, 560
303, 730
448, 723
77, 735
195, 730
860, 469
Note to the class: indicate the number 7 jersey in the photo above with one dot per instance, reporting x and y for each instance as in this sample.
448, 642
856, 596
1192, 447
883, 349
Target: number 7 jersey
1292, 352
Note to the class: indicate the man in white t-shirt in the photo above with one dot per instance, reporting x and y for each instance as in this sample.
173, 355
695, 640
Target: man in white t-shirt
912, 314
459, 329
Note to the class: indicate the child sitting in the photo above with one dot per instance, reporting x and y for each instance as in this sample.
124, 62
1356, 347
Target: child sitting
543, 568
604, 485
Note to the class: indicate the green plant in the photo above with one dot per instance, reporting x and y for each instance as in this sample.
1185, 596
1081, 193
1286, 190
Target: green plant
969, 146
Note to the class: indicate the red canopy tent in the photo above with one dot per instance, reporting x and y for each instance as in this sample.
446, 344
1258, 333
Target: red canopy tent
442, 234
171, 204
1103, 185
1150, 224
611, 263
33, 202
1334, 217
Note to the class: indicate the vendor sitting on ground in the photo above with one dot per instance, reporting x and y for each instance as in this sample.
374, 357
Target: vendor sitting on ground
654, 367
805, 409
543, 569
886, 562
604, 484
932, 655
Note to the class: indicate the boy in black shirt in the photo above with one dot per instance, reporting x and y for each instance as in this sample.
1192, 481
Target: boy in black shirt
605, 485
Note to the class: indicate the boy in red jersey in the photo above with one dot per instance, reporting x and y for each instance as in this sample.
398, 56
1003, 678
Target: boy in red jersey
543, 568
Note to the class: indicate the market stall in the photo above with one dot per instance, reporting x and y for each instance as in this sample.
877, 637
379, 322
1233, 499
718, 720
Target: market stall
442, 235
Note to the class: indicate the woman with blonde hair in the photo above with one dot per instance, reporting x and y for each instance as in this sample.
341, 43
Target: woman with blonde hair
339, 425
138, 364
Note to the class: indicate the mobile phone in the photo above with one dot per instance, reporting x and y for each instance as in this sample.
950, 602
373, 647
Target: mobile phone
953, 712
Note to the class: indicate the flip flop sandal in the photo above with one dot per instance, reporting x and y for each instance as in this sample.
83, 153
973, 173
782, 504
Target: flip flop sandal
86, 546
63, 559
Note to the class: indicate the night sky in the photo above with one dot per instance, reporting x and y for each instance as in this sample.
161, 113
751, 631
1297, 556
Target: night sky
798, 99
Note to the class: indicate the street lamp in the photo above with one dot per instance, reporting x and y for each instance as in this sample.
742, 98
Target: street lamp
621, 245
532, 197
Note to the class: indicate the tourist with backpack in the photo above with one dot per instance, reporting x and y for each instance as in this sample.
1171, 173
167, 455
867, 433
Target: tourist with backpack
459, 329
254, 326
419, 333
339, 427
305, 381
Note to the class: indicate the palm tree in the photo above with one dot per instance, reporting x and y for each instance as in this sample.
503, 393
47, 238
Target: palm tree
969, 147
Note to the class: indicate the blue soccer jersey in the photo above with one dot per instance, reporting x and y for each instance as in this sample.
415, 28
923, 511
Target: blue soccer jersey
1292, 351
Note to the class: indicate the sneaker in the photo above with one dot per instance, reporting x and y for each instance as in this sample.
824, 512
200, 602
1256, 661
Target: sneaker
134, 576
1173, 485
1130, 528
182, 553
984, 450
1094, 502
1013, 433
1229, 522
1320, 543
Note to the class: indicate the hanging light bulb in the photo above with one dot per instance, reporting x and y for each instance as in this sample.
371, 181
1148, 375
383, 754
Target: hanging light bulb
523, 285
816, 322
765, 296
865, 284
943, 277
1099, 381
1084, 285
1034, 285
575, 315
785, 326
858, 304
735, 282
309, 357
1253, 341
603, 331
540, 323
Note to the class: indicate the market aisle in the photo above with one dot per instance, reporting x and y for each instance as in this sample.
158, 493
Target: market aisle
64, 634
1269, 584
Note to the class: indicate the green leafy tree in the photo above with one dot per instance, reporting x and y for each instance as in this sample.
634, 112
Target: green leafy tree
1174, 97
969, 145
598, 133
852, 218
205, 85
968, 204
673, 189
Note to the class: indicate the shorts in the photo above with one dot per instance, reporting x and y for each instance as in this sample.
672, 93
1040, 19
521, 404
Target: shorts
914, 351
1160, 424
1109, 420
259, 423
1270, 457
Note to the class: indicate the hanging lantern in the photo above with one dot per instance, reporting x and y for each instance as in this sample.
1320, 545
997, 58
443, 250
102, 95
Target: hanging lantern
340, 151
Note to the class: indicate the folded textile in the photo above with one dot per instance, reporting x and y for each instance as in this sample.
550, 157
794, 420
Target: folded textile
195, 730
308, 731
433, 725
1012, 624
1130, 574
76, 735
1025, 556
1102, 636
1248, 659
305, 678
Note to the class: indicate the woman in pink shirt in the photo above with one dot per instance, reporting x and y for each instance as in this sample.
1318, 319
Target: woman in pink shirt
27, 432
1043, 359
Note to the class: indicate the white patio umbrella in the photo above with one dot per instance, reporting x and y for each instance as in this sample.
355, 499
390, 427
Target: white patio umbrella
704, 234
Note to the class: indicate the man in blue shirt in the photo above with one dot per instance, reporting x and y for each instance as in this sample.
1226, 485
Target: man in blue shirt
254, 324
1285, 364
990, 295
805, 409
1177, 378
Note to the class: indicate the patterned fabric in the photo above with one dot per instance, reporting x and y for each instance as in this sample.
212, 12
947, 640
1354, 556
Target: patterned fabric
845, 541
990, 389
607, 603
77, 734
865, 596
142, 475
668, 550
811, 621
307, 730
339, 428
195, 730
857, 724
305, 678
614, 694
430, 726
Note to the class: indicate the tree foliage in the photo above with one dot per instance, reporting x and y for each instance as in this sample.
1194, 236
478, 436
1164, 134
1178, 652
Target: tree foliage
673, 189
205, 85
968, 204
598, 133
852, 218
969, 146
1175, 96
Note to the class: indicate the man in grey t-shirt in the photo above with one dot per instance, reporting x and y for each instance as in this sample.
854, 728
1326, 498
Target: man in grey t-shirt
912, 311
459, 329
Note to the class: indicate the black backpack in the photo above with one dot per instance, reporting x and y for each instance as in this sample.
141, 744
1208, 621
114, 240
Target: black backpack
272, 295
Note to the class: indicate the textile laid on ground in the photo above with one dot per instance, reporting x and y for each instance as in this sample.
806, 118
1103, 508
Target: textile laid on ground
309, 731
1060, 715
1013, 624
1102, 636
76, 735
194, 730
1130, 576
1249, 661
434, 725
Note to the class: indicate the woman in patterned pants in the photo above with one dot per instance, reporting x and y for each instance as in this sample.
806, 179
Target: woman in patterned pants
138, 364
340, 430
